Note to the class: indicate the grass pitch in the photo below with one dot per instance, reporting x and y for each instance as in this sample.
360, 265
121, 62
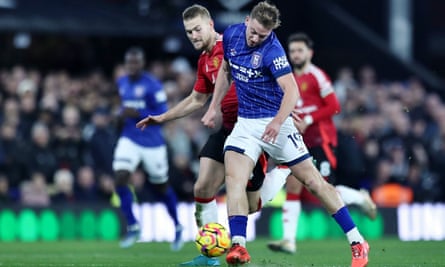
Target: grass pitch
326, 253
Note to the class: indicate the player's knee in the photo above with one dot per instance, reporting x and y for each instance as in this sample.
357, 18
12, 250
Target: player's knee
203, 190
207, 186
122, 177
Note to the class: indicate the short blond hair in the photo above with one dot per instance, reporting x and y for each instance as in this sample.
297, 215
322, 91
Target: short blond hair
267, 14
194, 11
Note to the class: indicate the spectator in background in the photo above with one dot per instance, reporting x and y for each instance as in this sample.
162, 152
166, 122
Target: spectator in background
100, 140
344, 83
34, 192
27, 91
7, 196
13, 154
40, 155
68, 143
11, 112
63, 187
85, 188
106, 187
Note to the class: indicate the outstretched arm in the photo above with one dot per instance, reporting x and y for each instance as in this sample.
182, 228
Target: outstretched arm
222, 85
189, 104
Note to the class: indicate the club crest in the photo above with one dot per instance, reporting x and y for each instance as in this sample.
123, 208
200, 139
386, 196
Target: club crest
139, 91
256, 60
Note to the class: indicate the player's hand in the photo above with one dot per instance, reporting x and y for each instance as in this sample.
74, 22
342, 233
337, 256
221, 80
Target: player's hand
149, 120
209, 119
271, 132
299, 123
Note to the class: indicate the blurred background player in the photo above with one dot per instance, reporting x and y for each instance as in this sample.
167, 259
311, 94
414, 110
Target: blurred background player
142, 94
267, 93
316, 108
200, 30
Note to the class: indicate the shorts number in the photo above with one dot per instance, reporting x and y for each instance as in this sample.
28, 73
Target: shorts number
296, 138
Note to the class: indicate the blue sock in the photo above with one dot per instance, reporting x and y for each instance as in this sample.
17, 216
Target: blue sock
170, 201
126, 197
238, 225
343, 218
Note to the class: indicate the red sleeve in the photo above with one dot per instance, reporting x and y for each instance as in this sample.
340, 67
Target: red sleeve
331, 107
202, 84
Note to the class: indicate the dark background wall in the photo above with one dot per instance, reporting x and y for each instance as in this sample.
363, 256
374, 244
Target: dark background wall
83, 35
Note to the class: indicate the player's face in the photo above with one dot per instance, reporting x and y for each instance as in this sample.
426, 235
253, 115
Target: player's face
299, 54
255, 32
199, 31
134, 63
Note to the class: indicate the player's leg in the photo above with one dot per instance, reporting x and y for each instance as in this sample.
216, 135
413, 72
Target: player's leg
292, 204
155, 162
124, 163
238, 169
361, 198
326, 162
291, 213
295, 154
262, 190
242, 150
255, 185
329, 198
273, 183
210, 179
165, 194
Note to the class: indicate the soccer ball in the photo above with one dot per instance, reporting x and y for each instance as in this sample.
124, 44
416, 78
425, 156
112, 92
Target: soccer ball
212, 240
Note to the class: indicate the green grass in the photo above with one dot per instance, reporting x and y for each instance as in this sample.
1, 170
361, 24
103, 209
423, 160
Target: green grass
333, 253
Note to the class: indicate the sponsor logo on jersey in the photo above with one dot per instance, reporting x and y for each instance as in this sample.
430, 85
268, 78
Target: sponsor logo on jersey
232, 52
241, 77
256, 60
243, 73
136, 104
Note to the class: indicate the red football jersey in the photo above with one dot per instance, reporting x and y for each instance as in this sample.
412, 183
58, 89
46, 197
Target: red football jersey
208, 66
319, 101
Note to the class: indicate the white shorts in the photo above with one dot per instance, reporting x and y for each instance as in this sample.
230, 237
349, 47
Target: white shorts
288, 149
127, 156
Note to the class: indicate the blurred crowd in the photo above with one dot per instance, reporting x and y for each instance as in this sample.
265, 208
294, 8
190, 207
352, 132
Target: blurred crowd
391, 132
58, 131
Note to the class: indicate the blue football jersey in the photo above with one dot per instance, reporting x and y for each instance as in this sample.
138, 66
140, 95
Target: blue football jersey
147, 96
254, 71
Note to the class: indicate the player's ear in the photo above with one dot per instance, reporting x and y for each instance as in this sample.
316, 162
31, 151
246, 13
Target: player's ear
246, 21
212, 23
